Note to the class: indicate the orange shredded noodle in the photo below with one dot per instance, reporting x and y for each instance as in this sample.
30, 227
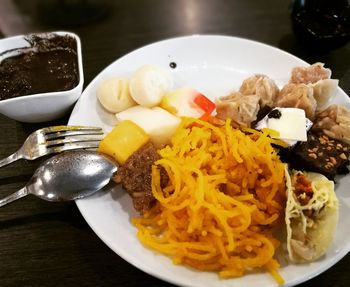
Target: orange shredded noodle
225, 194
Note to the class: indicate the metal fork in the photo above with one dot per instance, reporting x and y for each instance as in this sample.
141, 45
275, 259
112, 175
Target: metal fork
54, 140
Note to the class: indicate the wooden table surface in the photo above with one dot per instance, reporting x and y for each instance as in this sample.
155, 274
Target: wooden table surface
49, 244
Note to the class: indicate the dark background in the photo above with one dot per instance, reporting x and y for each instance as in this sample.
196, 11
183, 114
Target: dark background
49, 244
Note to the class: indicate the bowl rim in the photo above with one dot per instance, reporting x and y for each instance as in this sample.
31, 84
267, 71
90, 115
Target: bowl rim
62, 93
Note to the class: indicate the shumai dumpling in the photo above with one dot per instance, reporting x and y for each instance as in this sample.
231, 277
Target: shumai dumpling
298, 96
319, 79
309, 75
324, 90
334, 122
238, 107
262, 86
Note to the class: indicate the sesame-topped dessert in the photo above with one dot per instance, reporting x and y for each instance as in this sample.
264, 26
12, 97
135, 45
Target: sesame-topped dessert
322, 154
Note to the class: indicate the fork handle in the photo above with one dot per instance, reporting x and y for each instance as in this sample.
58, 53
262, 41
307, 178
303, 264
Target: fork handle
14, 196
11, 158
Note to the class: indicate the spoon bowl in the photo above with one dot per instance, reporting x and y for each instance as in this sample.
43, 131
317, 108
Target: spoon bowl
68, 176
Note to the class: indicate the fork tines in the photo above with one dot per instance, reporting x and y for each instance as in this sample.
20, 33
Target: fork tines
56, 139
62, 131
62, 138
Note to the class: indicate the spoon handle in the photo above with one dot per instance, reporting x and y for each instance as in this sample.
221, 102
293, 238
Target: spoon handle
14, 196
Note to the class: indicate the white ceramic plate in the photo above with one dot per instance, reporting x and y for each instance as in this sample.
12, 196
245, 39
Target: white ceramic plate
214, 65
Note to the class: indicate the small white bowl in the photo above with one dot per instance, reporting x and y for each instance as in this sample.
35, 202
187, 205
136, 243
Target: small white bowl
41, 107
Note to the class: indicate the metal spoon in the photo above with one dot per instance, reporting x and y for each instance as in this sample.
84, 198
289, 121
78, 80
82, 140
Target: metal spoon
68, 176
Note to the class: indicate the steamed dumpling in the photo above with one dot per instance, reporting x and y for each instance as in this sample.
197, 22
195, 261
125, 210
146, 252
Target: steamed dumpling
114, 95
148, 85
262, 86
334, 122
324, 90
241, 109
319, 78
309, 75
298, 96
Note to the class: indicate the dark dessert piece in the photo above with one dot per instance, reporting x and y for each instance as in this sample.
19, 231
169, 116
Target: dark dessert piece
321, 154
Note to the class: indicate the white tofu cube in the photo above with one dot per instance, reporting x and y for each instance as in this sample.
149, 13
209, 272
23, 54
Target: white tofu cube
291, 125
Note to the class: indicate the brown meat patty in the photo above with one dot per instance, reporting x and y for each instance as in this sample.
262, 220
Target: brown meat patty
136, 178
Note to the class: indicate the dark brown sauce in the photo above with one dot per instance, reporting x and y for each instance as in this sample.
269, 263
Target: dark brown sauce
51, 67
321, 24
